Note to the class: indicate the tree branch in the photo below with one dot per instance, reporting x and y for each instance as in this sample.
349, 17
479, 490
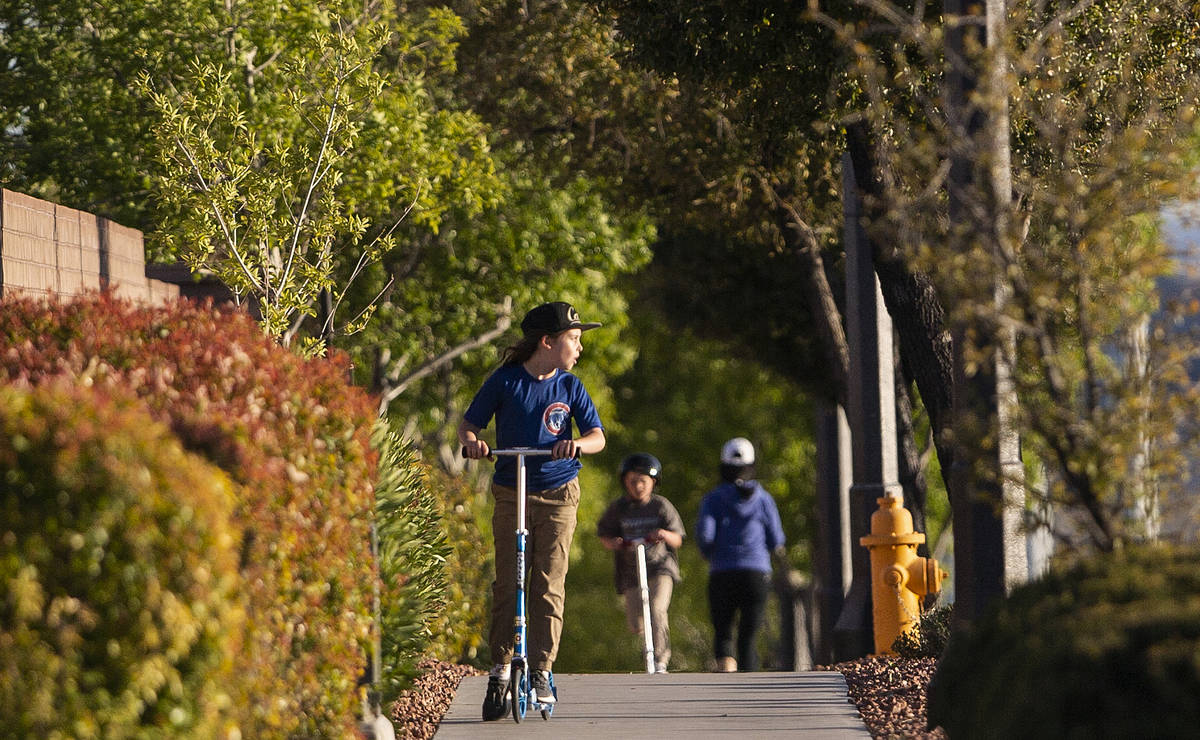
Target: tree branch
398, 386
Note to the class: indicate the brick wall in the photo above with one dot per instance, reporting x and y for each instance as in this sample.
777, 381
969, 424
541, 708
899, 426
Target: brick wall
50, 250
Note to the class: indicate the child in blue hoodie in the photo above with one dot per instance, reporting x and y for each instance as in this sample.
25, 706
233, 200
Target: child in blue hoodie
738, 532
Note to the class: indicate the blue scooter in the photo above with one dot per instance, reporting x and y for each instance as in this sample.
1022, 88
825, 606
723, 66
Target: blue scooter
523, 698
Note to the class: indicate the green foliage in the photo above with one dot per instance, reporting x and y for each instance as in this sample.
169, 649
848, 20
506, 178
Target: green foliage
559, 226
766, 58
121, 608
284, 141
412, 559
258, 205
292, 436
1098, 105
699, 279
258, 176
1105, 649
929, 637
460, 631
75, 129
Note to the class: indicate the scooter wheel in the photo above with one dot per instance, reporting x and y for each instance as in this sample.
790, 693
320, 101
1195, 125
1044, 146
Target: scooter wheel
519, 685
549, 709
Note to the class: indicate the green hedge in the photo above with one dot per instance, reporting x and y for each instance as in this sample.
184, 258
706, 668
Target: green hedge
294, 438
460, 631
929, 637
118, 568
1107, 649
412, 558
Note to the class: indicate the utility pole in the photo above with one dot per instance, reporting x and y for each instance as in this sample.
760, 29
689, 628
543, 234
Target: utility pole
871, 402
988, 490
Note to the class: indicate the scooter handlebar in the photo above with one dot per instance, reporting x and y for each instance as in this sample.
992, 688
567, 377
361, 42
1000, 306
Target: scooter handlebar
514, 451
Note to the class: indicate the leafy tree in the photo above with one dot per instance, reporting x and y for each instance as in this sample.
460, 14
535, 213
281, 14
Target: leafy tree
259, 170
76, 128
260, 210
1087, 84
289, 140
748, 186
1073, 255
560, 228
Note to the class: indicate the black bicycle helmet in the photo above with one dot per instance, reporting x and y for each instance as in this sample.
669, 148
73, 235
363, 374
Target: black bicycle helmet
640, 462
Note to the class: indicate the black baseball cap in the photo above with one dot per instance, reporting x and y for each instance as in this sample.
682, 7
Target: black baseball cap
552, 318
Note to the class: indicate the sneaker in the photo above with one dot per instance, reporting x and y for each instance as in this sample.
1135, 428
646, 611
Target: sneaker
540, 682
660, 667
495, 702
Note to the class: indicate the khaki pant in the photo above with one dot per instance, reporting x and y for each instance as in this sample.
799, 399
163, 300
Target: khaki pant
550, 519
661, 586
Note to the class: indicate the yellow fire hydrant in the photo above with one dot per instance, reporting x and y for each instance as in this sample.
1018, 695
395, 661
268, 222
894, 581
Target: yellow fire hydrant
898, 576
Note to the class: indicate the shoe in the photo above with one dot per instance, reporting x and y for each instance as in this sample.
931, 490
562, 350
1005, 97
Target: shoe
540, 682
495, 702
726, 664
660, 667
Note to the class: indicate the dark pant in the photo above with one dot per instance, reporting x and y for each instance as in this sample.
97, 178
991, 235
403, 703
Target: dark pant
731, 592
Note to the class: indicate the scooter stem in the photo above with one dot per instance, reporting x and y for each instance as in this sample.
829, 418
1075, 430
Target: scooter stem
644, 585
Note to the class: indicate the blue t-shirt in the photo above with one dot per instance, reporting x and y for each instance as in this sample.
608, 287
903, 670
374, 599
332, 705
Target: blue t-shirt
736, 533
533, 413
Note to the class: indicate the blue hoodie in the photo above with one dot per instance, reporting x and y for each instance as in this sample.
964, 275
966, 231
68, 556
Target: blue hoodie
736, 533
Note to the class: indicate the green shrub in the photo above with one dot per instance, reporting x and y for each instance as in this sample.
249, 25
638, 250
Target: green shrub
412, 559
292, 435
1107, 649
119, 612
929, 637
460, 632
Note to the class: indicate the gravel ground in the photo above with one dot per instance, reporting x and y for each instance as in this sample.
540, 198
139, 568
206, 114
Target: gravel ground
889, 693
418, 711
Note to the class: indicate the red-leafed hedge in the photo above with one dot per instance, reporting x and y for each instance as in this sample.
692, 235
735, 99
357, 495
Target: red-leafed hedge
121, 607
292, 435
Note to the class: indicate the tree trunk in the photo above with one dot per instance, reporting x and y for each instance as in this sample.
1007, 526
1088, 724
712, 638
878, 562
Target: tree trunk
923, 317
802, 242
926, 347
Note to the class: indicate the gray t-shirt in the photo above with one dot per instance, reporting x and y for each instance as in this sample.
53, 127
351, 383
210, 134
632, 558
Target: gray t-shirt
630, 520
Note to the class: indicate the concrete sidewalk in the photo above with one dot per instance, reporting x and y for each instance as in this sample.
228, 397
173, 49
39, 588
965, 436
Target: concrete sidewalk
812, 704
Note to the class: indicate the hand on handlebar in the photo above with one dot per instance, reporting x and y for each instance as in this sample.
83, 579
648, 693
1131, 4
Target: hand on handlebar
476, 450
564, 448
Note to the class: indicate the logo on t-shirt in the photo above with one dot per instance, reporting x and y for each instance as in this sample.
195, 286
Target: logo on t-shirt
556, 417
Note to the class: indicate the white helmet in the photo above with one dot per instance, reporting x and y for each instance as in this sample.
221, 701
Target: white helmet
737, 451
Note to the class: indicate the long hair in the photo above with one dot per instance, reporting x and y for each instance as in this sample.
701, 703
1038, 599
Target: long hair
741, 476
519, 353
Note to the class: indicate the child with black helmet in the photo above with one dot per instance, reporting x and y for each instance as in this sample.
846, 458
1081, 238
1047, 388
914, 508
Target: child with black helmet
642, 514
